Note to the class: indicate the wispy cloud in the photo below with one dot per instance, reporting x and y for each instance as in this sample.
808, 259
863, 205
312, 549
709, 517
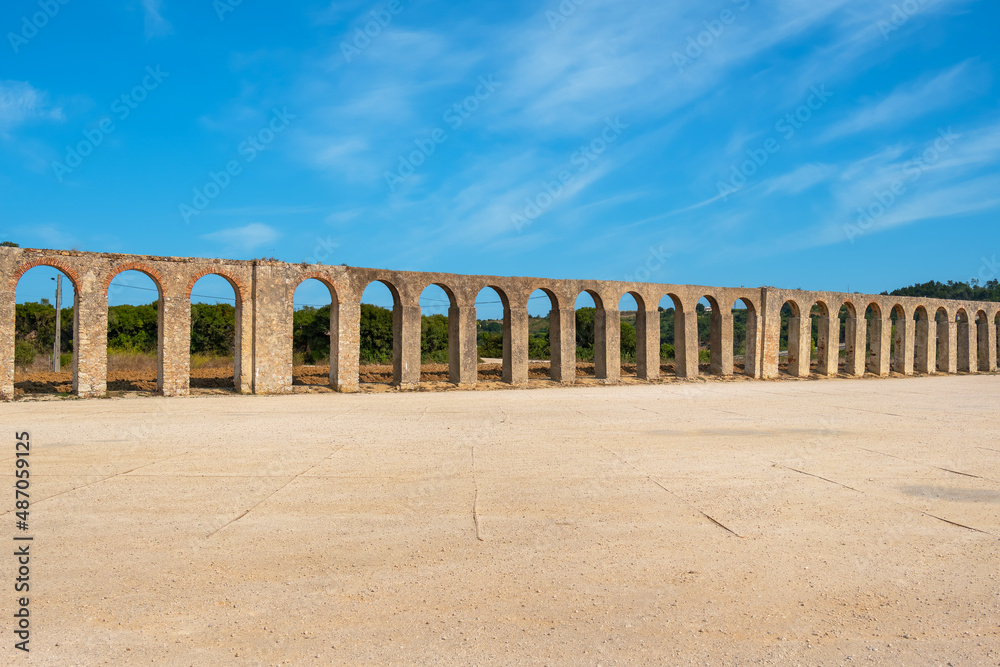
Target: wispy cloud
156, 25
244, 240
911, 100
21, 103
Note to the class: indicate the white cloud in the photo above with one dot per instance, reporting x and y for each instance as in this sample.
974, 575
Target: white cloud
21, 103
911, 100
156, 25
244, 240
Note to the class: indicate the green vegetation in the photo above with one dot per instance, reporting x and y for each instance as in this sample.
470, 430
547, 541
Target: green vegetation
988, 291
133, 330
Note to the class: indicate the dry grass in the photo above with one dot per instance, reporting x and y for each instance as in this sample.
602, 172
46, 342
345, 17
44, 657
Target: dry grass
199, 361
131, 362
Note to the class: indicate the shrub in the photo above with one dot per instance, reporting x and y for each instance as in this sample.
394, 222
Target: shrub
24, 354
704, 356
666, 351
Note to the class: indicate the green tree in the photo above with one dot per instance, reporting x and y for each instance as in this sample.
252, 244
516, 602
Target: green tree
376, 334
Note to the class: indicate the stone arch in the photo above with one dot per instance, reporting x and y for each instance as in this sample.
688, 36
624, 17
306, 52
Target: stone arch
405, 335
674, 336
827, 338
73, 279
967, 343
506, 332
141, 267
591, 332
333, 320
178, 380
796, 330
947, 331
242, 291
902, 341
744, 325
985, 340
716, 353
66, 269
561, 335
855, 332
240, 350
629, 333
435, 324
876, 342
924, 346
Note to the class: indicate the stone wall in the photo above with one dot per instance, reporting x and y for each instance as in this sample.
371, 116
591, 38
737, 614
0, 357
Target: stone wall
930, 335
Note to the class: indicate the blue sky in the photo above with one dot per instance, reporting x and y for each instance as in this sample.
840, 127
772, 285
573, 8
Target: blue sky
822, 145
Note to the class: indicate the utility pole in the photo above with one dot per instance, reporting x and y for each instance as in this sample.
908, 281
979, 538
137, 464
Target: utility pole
57, 352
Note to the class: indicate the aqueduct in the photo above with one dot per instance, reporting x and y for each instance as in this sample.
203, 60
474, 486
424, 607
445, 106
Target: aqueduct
881, 333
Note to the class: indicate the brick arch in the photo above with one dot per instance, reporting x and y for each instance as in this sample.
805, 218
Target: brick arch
44, 261
241, 291
134, 266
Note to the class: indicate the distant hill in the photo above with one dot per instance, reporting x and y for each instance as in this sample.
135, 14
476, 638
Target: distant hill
988, 291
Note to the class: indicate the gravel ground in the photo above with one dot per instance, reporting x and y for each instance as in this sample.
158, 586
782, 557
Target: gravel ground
722, 523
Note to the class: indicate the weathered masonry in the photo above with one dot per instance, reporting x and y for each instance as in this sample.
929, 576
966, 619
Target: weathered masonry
930, 335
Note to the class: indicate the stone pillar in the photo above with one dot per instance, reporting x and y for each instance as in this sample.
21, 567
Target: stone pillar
721, 343
947, 353
856, 336
515, 346
90, 345
7, 338
406, 346
562, 345
904, 340
828, 346
463, 353
272, 329
752, 348
799, 346
967, 347
686, 344
880, 341
770, 326
243, 354
345, 345
987, 346
607, 345
926, 350
647, 344
175, 345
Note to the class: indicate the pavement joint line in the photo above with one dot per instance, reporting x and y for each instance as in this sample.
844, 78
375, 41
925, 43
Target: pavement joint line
662, 486
328, 457
102, 480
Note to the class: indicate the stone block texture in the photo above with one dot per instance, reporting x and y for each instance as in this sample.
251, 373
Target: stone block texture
853, 333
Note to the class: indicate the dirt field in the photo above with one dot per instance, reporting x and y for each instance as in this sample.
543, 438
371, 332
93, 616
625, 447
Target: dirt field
316, 378
721, 523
